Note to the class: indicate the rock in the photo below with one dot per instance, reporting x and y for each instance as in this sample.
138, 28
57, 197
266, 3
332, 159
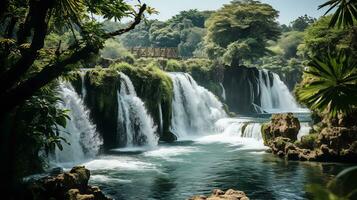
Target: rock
218, 194
74, 194
281, 125
72, 185
199, 197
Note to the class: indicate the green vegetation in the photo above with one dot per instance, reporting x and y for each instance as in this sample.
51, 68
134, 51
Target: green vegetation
240, 31
184, 31
342, 187
319, 39
331, 85
37, 124
345, 15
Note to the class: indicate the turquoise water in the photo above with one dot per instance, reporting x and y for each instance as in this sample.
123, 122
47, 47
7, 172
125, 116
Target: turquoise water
182, 169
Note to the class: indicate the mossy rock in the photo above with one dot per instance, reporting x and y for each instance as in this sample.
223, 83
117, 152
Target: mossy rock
308, 141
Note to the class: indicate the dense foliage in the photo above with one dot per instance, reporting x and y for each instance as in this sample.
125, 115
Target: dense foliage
240, 31
331, 85
183, 31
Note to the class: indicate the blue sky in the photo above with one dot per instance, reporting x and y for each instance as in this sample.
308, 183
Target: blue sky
289, 9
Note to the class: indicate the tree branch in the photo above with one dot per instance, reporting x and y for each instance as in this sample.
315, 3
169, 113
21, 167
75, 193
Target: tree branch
9, 78
17, 95
136, 21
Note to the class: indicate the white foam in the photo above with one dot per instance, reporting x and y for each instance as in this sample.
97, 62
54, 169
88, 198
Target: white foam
103, 178
304, 130
169, 153
124, 163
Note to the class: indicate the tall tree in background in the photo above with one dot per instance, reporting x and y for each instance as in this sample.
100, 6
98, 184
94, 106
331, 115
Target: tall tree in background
28, 23
302, 22
240, 31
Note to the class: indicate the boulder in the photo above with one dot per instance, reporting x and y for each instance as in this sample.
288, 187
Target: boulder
72, 185
282, 125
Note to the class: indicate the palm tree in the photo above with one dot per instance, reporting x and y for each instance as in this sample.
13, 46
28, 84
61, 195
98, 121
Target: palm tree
331, 85
346, 13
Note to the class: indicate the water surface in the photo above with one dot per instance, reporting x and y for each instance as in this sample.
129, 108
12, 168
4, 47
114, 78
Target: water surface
186, 168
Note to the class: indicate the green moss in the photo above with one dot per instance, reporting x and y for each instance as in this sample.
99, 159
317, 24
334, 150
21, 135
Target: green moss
102, 86
175, 66
308, 141
266, 133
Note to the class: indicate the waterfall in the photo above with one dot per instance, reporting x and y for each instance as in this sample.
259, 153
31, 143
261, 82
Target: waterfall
161, 120
194, 109
134, 122
275, 97
80, 132
243, 128
223, 91
84, 91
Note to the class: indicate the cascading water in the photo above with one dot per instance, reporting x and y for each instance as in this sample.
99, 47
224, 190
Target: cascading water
84, 91
161, 120
275, 97
195, 109
223, 91
243, 128
134, 122
80, 132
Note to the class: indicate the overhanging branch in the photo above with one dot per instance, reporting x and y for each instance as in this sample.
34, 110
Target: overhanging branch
136, 21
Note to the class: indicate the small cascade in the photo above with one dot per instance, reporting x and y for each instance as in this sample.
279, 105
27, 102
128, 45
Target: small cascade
135, 126
80, 132
194, 108
275, 95
223, 91
304, 130
239, 127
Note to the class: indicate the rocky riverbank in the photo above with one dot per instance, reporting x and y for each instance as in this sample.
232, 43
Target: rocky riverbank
218, 194
331, 144
72, 185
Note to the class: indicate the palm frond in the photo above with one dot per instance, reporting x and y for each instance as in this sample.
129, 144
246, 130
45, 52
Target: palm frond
345, 14
333, 84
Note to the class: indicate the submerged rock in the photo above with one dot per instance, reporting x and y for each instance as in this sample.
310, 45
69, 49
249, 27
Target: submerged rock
218, 194
72, 185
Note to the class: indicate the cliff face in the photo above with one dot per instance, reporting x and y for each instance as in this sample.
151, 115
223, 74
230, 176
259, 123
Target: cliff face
242, 88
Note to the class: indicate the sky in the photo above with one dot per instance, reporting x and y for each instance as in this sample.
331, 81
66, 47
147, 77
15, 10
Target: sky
289, 9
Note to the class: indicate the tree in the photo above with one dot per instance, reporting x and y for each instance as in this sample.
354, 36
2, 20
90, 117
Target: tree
319, 38
289, 43
331, 85
243, 26
190, 38
197, 18
302, 22
345, 15
37, 18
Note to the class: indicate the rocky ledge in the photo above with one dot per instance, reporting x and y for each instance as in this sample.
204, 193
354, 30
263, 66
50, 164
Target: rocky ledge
332, 144
221, 195
72, 185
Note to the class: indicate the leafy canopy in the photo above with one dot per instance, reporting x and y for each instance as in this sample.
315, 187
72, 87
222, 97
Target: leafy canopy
243, 28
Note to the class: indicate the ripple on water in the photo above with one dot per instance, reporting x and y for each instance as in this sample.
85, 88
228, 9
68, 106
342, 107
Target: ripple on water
170, 153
